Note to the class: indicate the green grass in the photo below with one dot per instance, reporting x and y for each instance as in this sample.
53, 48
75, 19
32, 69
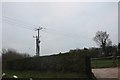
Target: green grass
103, 63
36, 74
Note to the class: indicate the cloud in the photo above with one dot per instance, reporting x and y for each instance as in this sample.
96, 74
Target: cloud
68, 25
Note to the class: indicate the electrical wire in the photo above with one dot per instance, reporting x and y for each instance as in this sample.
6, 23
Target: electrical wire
17, 25
13, 21
55, 32
19, 21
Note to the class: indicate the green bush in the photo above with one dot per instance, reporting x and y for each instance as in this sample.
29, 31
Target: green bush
68, 62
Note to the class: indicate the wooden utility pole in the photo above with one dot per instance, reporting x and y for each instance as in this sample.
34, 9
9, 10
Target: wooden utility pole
38, 41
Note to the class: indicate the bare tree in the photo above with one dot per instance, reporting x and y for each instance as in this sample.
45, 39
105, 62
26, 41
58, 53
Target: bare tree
102, 39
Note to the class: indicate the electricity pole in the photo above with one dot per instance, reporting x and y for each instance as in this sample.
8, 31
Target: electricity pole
38, 41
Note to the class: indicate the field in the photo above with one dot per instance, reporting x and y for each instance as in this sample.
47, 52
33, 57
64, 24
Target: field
104, 63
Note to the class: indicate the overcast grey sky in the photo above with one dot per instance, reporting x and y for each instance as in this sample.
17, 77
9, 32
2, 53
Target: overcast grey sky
69, 25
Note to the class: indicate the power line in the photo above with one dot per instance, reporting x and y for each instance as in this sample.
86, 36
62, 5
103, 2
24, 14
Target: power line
29, 26
57, 32
26, 24
14, 22
17, 25
19, 21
